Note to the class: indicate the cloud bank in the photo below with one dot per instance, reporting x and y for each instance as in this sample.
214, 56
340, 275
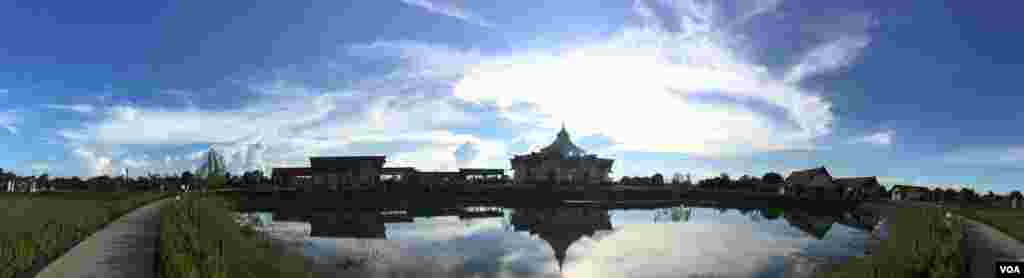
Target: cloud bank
682, 80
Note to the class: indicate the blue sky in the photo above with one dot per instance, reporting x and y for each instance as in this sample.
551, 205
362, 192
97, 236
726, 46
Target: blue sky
920, 93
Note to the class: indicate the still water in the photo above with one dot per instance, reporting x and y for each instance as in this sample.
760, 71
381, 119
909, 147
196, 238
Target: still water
675, 241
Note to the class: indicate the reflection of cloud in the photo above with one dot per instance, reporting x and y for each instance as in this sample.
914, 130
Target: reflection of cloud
677, 250
442, 249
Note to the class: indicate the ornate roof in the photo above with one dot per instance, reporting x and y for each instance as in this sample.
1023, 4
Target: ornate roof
563, 146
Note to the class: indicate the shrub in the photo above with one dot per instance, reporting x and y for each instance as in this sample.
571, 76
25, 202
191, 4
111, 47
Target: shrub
199, 237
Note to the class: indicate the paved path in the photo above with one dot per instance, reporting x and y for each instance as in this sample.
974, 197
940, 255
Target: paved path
984, 245
124, 248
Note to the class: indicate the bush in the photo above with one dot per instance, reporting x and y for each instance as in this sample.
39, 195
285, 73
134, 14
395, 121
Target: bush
199, 237
922, 243
39, 227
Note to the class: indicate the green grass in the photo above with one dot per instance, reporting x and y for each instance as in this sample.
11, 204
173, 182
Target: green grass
199, 237
39, 227
1009, 221
921, 243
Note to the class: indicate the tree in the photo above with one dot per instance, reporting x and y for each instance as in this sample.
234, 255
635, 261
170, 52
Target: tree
967, 194
724, 181
772, 178
43, 181
1016, 195
657, 179
678, 178
187, 179
213, 170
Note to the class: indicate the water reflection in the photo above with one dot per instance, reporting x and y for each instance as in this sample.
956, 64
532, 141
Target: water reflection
675, 241
560, 227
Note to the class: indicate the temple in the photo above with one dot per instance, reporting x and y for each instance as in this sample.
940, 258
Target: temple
562, 162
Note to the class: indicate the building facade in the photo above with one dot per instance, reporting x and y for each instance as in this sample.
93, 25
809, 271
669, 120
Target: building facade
365, 172
814, 183
562, 162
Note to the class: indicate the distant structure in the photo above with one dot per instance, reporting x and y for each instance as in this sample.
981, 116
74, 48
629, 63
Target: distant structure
332, 173
818, 184
562, 162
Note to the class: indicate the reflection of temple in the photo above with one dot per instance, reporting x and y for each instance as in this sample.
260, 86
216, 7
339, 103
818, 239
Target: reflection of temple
562, 226
562, 162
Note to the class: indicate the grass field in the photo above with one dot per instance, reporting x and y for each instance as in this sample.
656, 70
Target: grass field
39, 227
922, 243
199, 237
1009, 221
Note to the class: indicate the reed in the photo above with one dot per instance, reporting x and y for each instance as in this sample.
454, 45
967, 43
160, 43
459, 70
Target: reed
199, 237
922, 242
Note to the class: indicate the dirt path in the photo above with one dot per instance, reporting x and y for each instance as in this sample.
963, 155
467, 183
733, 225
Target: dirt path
124, 248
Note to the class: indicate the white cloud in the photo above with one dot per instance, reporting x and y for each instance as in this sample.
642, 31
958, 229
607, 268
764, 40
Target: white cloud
466, 154
1009, 155
827, 57
642, 81
643, 87
91, 163
80, 108
9, 121
882, 138
450, 8
277, 130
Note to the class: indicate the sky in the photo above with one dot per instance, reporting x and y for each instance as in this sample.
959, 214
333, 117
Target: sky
914, 93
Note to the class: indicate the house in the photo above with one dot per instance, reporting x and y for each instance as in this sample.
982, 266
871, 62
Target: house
813, 184
860, 188
909, 192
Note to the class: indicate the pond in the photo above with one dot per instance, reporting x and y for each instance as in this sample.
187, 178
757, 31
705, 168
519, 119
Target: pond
573, 241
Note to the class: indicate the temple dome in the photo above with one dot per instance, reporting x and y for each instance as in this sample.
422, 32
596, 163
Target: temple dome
563, 146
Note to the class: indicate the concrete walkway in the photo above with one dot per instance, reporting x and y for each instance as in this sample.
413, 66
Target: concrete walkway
124, 248
984, 245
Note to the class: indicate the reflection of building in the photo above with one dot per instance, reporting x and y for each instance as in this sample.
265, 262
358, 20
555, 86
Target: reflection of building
814, 225
560, 227
358, 224
561, 162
